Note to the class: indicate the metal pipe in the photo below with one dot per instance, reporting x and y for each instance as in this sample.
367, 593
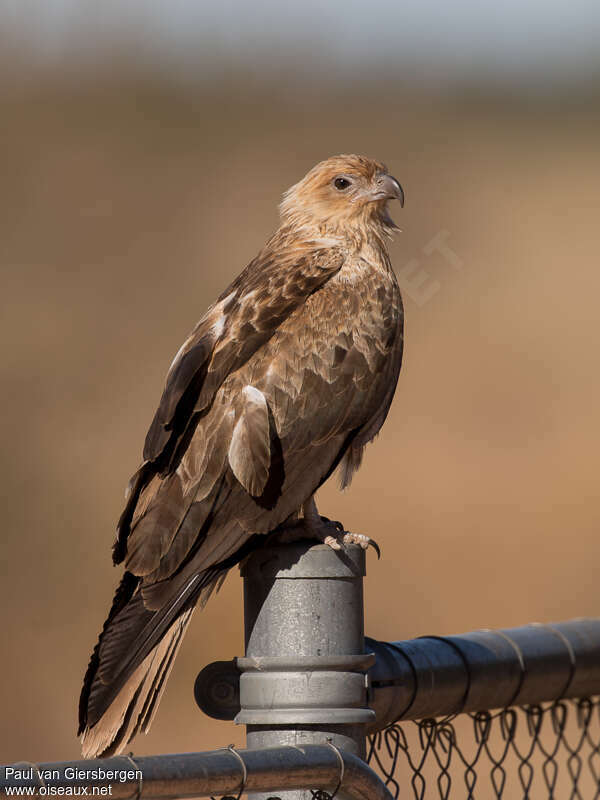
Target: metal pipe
220, 772
438, 675
303, 677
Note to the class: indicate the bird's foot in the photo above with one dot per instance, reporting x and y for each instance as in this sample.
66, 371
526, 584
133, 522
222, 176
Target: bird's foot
326, 531
339, 540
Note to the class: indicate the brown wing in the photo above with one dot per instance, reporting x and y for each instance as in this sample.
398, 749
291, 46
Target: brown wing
246, 315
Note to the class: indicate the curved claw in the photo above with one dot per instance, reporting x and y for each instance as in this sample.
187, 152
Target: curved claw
363, 541
375, 546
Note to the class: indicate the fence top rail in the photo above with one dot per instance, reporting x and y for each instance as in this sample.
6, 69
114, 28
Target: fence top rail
219, 772
433, 676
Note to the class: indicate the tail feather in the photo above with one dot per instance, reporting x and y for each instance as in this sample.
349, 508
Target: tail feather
128, 638
134, 706
166, 665
123, 595
131, 663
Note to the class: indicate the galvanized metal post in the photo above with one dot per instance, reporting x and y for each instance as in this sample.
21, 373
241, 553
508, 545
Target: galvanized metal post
303, 677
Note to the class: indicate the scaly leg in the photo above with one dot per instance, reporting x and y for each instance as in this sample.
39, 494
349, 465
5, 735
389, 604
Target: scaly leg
313, 526
331, 533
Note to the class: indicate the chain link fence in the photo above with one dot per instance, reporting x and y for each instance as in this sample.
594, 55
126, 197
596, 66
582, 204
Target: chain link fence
538, 752
549, 752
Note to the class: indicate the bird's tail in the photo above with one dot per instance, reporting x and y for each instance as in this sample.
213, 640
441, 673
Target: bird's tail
131, 662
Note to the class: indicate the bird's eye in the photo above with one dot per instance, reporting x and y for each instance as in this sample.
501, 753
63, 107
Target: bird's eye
341, 184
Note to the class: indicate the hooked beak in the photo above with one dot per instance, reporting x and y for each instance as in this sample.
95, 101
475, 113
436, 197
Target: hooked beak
388, 188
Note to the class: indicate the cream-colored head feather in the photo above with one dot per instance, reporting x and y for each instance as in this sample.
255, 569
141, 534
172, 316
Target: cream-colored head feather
342, 191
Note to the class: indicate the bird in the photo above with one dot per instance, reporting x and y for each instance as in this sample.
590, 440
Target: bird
283, 381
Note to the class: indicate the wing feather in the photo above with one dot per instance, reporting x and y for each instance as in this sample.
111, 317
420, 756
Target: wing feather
277, 282
250, 449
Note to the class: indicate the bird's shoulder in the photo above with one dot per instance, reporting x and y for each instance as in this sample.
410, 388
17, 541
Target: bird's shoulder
284, 274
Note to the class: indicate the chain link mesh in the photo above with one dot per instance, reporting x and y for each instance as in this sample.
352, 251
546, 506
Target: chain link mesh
549, 752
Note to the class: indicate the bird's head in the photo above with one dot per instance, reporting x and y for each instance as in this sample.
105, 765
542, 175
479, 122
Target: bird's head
343, 191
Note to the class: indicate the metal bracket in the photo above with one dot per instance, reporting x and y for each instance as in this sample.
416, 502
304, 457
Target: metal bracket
304, 690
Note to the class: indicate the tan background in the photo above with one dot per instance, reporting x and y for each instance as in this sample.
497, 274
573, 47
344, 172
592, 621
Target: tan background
128, 205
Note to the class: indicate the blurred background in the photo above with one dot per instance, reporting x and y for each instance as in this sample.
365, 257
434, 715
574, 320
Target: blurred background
144, 150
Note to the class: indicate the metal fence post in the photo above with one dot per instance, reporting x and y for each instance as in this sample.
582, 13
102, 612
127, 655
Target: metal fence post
303, 677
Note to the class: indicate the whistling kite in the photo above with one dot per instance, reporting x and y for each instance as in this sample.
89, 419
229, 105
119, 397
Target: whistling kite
286, 377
